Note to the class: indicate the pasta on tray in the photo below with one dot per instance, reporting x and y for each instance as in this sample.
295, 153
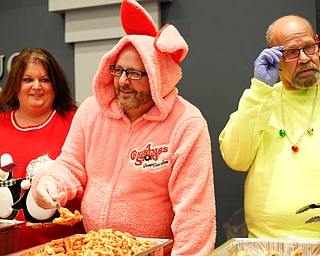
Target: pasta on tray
296, 252
102, 242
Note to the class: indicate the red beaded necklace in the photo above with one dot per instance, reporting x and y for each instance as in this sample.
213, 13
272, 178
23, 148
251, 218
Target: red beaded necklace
308, 130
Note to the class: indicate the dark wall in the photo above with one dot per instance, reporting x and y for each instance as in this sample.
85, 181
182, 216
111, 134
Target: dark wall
27, 23
224, 38
318, 15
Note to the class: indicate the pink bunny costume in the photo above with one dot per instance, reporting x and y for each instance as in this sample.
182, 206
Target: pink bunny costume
152, 177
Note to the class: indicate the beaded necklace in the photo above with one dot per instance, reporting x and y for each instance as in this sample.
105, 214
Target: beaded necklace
308, 130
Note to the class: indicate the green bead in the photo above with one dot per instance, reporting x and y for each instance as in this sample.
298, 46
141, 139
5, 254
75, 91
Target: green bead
282, 133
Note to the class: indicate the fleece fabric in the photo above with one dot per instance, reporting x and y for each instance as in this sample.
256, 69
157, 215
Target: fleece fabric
279, 181
153, 177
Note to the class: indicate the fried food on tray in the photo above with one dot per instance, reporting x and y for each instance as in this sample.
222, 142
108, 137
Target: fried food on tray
33, 225
296, 252
67, 217
272, 254
241, 253
40, 225
102, 242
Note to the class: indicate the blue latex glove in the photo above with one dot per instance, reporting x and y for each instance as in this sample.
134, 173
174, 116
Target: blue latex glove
266, 66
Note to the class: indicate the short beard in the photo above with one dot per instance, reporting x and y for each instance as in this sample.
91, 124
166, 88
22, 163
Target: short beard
304, 82
140, 99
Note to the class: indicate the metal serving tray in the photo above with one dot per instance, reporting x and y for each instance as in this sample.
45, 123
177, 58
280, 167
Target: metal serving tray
262, 246
156, 250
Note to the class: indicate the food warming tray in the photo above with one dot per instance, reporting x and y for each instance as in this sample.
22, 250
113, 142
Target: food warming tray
262, 246
156, 250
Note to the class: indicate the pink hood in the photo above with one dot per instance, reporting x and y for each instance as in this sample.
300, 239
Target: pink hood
161, 53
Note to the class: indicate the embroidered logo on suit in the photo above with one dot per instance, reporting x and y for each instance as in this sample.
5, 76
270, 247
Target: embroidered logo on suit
150, 156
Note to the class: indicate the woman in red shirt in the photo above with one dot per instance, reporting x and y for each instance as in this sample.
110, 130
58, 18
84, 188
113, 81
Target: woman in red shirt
36, 111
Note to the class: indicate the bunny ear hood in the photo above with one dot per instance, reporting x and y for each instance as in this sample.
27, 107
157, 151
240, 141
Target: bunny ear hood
135, 20
161, 53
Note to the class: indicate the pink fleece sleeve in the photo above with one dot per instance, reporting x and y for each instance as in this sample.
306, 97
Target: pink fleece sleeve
68, 167
192, 191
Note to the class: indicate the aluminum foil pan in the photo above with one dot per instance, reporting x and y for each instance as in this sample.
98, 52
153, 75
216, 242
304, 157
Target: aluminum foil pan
156, 250
262, 246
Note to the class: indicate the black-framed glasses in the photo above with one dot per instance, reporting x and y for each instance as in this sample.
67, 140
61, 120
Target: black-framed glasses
130, 73
294, 53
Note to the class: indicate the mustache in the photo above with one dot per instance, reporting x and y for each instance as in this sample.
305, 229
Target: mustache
124, 88
127, 88
306, 66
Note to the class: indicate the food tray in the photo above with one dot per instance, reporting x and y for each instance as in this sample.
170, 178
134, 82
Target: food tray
156, 250
262, 246
4, 223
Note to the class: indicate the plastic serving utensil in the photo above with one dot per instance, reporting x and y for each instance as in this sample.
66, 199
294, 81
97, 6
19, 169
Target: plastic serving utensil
60, 196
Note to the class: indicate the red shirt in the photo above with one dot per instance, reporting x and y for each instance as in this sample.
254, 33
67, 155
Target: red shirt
24, 145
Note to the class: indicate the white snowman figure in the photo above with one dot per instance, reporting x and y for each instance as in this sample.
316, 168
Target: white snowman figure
9, 187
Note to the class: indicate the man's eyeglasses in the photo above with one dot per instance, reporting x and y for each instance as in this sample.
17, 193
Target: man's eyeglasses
130, 73
294, 53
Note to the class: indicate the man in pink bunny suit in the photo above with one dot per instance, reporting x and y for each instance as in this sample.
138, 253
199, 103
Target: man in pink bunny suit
137, 153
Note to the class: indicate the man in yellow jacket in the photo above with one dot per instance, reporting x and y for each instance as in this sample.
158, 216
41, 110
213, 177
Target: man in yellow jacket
275, 133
